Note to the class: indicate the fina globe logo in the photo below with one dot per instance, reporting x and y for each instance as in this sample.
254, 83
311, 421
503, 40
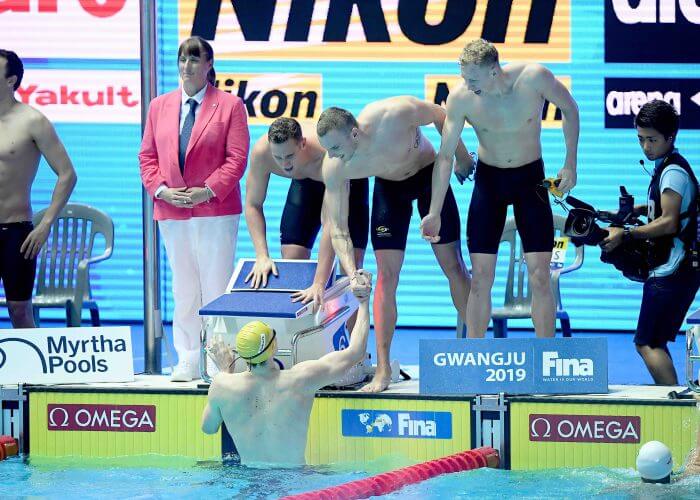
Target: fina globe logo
571, 369
396, 424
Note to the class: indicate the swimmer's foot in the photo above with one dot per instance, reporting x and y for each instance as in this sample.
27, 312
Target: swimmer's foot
381, 380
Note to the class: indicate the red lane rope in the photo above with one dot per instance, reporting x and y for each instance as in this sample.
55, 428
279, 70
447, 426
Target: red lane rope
387, 482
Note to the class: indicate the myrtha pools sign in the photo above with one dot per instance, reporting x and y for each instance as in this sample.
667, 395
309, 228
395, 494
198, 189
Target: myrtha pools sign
66, 355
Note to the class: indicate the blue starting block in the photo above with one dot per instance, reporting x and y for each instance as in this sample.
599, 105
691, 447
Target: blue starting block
303, 332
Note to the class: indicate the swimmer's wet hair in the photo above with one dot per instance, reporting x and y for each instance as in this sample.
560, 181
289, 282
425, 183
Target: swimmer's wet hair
283, 129
335, 119
480, 52
660, 116
14, 66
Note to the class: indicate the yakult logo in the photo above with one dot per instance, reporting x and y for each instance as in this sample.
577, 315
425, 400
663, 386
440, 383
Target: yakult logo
84, 95
111, 418
554, 366
584, 428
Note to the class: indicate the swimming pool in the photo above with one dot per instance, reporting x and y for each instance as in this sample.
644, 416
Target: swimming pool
160, 478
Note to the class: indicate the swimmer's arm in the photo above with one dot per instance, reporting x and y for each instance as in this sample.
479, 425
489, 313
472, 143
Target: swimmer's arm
334, 365
556, 93
211, 417
336, 203
56, 156
256, 185
451, 131
430, 113
326, 255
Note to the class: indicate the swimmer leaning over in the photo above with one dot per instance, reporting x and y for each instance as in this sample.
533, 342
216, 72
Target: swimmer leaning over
267, 410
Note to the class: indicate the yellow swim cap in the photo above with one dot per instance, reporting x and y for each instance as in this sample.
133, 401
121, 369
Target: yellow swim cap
254, 342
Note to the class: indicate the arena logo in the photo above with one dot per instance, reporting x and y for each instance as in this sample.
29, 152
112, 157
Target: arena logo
624, 97
584, 428
271, 96
651, 31
110, 418
332, 30
97, 8
629, 103
396, 424
437, 90
653, 11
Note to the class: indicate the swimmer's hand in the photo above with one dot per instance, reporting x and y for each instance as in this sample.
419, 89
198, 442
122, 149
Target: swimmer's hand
221, 354
568, 178
464, 169
34, 241
264, 265
313, 293
430, 227
361, 284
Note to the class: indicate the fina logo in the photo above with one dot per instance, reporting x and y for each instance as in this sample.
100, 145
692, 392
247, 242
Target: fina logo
396, 424
565, 367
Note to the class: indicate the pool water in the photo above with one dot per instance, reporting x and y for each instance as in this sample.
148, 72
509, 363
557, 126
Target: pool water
166, 478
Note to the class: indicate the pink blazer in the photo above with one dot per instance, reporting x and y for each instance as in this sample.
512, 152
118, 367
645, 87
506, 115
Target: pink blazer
216, 156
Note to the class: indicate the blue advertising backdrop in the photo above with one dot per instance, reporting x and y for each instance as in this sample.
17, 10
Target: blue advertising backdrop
597, 297
514, 366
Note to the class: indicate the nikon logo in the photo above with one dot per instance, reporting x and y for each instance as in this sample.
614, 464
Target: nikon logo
437, 88
379, 29
270, 96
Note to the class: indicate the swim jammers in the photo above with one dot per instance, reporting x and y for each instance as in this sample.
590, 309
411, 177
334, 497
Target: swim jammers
301, 217
16, 272
494, 189
392, 207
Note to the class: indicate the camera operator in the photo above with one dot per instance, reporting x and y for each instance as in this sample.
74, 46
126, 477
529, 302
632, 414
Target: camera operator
671, 209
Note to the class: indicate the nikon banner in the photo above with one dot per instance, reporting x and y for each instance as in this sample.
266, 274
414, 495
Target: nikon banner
66, 355
378, 30
514, 366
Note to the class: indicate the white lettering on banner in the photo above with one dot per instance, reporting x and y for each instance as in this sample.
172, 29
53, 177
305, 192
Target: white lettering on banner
646, 11
565, 367
479, 358
47, 29
419, 428
66, 355
80, 96
629, 103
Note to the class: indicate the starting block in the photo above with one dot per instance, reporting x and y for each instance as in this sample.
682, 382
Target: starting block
692, 351
304, 332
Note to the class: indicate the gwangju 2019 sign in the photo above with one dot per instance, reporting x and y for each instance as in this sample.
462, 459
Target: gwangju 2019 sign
381, 30
66, 355
513, 366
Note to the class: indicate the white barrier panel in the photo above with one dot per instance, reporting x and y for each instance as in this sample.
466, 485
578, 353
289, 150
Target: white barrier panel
66, 355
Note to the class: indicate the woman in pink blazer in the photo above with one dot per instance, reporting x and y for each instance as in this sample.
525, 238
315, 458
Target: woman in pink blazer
193, 155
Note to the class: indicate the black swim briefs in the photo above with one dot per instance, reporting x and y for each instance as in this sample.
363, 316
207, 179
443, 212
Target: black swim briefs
301, 217
16, 272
